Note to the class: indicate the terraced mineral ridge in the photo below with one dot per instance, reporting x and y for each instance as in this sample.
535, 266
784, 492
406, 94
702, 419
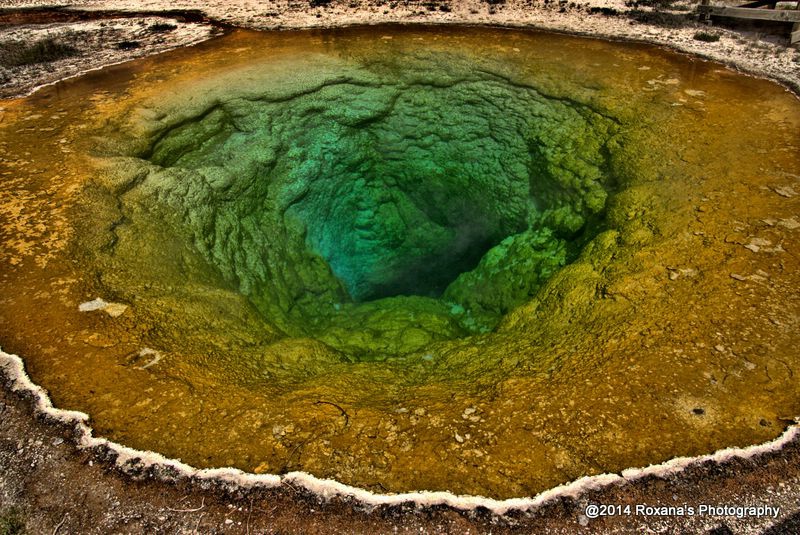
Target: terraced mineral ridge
462, 259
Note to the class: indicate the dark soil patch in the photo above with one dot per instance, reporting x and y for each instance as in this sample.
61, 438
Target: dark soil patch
18, 53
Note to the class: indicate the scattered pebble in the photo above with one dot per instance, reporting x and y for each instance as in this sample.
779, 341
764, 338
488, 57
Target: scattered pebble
115, 309
790, 223
112, 309
785, 191
89, 306
157, 356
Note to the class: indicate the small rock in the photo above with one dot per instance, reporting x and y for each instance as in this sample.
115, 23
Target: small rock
694, 93
785, 191
756, 244
115, 309
155, 357
89, 306
459, 438
112, 309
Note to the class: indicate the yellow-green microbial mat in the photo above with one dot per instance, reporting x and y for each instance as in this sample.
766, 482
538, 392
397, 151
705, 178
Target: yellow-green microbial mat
467, 259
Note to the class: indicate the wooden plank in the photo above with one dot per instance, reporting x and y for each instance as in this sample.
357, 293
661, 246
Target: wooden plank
780, 15
759, 3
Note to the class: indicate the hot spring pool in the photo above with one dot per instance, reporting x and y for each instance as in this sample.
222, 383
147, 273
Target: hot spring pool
468, 259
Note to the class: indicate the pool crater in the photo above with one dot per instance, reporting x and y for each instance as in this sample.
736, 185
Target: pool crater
379, 216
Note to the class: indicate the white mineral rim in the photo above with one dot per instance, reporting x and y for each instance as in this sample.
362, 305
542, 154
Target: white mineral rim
14, 369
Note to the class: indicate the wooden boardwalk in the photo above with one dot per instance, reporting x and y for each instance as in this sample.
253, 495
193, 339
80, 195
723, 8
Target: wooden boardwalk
760, 10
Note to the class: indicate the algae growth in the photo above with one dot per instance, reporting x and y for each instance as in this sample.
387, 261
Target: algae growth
329, 206
462, 259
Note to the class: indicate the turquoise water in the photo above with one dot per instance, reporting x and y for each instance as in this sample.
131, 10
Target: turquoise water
394, 191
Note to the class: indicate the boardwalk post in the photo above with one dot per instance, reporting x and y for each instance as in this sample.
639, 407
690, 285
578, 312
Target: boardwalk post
704, 14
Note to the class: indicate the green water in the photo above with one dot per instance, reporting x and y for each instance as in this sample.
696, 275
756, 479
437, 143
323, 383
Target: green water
414, 200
